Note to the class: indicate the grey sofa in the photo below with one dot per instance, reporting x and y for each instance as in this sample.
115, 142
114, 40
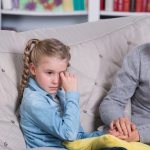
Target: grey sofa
97, 51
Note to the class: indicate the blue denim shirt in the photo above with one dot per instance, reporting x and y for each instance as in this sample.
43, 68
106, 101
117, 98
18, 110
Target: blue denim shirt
46, 122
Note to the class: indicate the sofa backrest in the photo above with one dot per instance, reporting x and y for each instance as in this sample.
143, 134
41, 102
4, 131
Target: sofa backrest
97, 51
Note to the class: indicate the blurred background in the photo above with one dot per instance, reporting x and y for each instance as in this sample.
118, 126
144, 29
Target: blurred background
21, 15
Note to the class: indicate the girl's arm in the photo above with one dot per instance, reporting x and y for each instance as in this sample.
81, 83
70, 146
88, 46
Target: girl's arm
50, 119
83, 135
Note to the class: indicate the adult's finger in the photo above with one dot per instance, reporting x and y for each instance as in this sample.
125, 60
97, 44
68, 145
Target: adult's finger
133, 126
112, 125
118, 126
123, 126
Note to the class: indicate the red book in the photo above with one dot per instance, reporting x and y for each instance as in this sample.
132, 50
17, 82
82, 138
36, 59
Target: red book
144, 5
102, 7
126, 5
132, 5
120, 5
148, 5
116, 3
138, 6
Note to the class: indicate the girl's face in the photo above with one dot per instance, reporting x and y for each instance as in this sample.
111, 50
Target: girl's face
47, 73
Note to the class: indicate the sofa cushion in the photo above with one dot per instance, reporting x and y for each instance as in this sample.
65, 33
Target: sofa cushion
11, 135
2, 147
97, 51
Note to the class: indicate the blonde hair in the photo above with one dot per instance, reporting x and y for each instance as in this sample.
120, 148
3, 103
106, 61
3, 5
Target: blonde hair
35, 49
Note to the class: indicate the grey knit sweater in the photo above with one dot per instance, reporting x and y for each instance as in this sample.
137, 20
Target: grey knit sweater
132, 82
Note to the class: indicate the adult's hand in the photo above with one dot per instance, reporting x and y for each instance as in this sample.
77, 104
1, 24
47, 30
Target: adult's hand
134, 136
122, 125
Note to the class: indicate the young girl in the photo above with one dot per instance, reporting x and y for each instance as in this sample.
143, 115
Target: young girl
49, 111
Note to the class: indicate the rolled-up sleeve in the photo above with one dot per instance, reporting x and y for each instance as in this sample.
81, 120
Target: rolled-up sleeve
144, 131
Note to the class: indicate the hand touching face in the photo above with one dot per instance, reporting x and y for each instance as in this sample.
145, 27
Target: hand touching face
69, 81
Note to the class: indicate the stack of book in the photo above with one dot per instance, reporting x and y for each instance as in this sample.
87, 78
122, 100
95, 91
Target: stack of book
46, 5
125, 5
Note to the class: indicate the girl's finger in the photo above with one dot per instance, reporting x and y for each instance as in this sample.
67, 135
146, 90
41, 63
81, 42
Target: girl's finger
66, 74
62, 75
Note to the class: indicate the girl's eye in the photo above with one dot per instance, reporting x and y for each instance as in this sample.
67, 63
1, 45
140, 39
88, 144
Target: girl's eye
49, 73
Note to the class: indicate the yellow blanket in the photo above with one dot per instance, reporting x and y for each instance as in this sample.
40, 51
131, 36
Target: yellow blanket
107, 140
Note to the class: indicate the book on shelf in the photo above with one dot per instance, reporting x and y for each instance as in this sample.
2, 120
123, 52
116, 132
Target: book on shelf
102, 6
46, 5
141, 6
120, 5
115, 5
126, 5
79, 4
148, 6
68, 5
58, 5
109, 5
144, 5
132, 5
7, 4
15, 4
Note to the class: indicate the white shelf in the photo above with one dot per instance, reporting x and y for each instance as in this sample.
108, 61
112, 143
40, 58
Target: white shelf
22, 17
42, 13
115, 13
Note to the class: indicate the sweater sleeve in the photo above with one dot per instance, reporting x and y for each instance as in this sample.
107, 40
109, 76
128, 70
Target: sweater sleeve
62, 125
123, 88
144, 133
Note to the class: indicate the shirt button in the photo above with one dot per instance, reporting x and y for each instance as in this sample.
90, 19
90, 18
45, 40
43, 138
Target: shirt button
85, 111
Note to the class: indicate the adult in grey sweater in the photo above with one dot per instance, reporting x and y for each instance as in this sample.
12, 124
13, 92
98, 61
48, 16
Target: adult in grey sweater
132, 83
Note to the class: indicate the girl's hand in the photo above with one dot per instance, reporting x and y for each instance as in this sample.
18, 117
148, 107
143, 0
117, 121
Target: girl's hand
69, 81
123, 125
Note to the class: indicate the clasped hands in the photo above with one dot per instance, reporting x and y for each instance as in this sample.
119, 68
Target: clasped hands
124, 129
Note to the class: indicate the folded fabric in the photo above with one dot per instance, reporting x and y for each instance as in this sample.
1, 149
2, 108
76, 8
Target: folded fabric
105, 141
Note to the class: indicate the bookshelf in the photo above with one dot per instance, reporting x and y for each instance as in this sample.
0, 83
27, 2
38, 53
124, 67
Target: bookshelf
92, 14
44, 13
112, 13
123, 14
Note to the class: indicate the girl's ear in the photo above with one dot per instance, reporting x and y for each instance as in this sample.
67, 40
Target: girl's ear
32, 68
